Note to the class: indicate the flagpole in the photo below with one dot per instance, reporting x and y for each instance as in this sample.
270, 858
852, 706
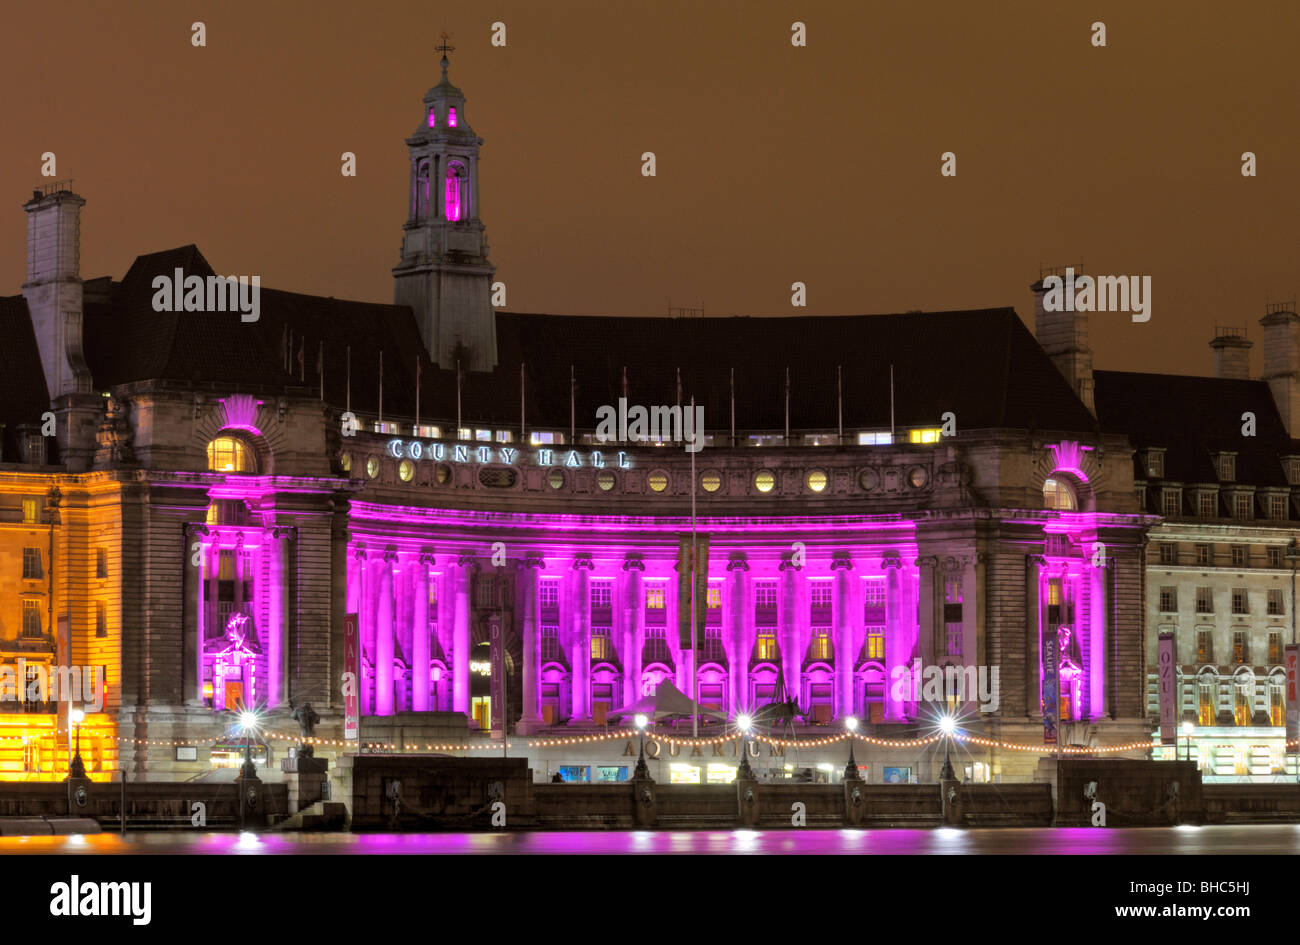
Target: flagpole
348, 405
458, 426
523, 416
891, 403
417, 395
573, 409
839, 401
320, 365
381, 385
787, 405
695, 650
733, 406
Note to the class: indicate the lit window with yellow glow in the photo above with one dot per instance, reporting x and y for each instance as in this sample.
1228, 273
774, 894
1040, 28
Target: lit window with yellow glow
1057, 494
767, 643
927, 435
230, 454
654, 597
715, 597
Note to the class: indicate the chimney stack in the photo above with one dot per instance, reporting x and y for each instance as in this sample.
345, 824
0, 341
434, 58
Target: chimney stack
1064, 337
1282, 361
1231, 353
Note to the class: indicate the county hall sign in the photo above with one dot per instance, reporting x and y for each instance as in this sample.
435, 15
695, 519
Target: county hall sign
466, 453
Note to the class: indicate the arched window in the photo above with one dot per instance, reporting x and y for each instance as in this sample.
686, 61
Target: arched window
231, 454
431, 117
422, 193
451, 116
456, 196
1058, 494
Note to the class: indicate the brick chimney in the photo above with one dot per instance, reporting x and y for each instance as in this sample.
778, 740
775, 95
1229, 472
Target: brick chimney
54, 301
1064, 337
1231, 353
1282, 361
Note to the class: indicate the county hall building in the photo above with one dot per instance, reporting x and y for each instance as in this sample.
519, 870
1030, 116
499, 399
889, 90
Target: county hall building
219, 500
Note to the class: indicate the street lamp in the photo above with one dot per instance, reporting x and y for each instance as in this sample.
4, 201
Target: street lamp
1188, 729
743, 722
851, 770
76, 767
642, 771
946, 725
248, 722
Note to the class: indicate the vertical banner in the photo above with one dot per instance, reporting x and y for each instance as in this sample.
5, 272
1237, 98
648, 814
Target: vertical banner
1168, 693
351, 678
688, 564
1051, 690
498, 673
1292, 698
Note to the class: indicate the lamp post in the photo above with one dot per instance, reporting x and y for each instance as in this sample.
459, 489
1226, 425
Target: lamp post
76, 767
642, 770
1188, 728
248, 722
743, 722
946, 726
851, 769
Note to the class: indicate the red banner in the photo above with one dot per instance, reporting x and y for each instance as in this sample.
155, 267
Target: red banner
1168, 689
351, 678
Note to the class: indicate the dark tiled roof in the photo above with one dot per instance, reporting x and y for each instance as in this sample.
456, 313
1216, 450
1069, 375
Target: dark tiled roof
983, 365
1194, 418
23, 395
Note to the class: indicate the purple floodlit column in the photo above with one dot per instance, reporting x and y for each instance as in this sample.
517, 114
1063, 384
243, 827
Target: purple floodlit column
738, 690
791, 653
1035, 582
213, 622
365, 628
239, 572
277, 612
845, 651
896, 649
460, 640
929, 589
581, 610
633, 613
384, 631
1097, 640
420, 633
192, 665
530, 715
971, 568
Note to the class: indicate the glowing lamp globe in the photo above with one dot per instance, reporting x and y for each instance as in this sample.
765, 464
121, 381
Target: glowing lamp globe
641, 720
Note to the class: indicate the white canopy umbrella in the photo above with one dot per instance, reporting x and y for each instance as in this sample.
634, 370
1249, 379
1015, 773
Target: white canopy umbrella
668, 702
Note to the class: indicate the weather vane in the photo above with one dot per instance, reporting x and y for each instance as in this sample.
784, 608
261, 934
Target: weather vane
445, 48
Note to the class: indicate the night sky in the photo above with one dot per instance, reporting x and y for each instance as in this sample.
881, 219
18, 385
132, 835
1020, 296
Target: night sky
775, 164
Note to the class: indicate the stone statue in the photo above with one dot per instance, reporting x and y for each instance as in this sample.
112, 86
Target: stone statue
306, 717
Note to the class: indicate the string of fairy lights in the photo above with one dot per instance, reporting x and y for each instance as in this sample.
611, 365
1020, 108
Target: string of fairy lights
672, 741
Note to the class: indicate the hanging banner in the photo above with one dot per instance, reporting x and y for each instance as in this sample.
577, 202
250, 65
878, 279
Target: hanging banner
688, 564
1168, 690
1292, 699
351, 678
1051, 692
498, 674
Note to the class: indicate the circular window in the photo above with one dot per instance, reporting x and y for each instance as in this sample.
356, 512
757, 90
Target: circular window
442, 475
555, 479
816, 480
869, 479
406, 470
711, 482
918, 477
605, 479
372, 467
764, 480
497, 477
345, 460
658, 481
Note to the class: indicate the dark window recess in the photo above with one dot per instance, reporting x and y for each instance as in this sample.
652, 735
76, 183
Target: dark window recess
952, 613
497, 477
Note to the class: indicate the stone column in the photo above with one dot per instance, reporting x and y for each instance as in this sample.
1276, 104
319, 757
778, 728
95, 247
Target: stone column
460, 639
420, 633
897, 649
384, 633
741, 644
192, 618
531, 716
928, 592
791, 657
277, 650
1097, 611
970, 625
212, 626
239, 572
1034, 568
581, 610
845, 625
633, 614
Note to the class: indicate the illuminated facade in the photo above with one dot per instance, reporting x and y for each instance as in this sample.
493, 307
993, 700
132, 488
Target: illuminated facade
255, 484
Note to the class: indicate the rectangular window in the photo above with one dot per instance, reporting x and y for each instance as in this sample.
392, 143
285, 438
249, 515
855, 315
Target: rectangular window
1240, 556
1171, 501
101, 619
1276, 556
101, 563
548, 594
1156, 464
876, 643
31, 564
1275, 606
766, 649
485, 592
1168, 552
654, 597
600, 595
31, 512
873, 600
765, 594
1275, 646
31, 618
1241, 713
929, 435
715, 597
1276, 706
1204, 646
1204, 554
1240, 646
600, 648
1168, 600
1240, 601
1207, 504
875, 439
1204, 600
551, 644
1227, 467
821, 595
1242, 506
1277, 508
1206, 709
821, 643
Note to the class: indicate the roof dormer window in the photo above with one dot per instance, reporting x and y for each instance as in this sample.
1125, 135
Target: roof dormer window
1227, 467
1155, 464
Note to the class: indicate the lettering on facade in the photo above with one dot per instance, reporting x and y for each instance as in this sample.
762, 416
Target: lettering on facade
458, 453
